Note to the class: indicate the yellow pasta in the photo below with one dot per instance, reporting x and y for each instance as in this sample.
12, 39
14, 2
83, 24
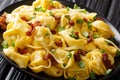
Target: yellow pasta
59, 41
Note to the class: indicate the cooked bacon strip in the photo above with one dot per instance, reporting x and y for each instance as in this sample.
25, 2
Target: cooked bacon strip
24, 18
49, 56
78, 53
31, 30
83, 52
3, 23
53, 31
71, 22
37, 23
22, 51
58, 43
50, 7
85, 20
77, 56
57, 17
90, 38
106, 61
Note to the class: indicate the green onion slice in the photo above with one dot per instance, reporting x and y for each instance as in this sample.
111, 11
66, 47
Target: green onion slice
81, 64
108, 71
4, 44
92, 75
86, 34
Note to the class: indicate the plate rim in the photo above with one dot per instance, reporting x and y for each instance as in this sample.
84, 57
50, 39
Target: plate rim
88, 9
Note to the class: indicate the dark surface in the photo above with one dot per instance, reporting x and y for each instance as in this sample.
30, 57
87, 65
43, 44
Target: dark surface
109, 9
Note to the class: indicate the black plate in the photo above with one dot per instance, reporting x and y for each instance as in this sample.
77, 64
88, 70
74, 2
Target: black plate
43, 76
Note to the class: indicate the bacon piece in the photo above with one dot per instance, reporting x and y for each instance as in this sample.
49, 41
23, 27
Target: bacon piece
58, 43
37, 23
83, 52
71, 22
31, 30
22, 51
24, 18
77, 56
85, 20
50, 7
90, 38
49, 56
3, 23
3, 26
57, 17
106, 61
53, 31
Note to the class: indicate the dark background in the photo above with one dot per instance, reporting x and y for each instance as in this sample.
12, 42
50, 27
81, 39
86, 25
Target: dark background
110, 9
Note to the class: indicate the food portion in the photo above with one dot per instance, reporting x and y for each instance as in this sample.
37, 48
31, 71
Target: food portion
58, 40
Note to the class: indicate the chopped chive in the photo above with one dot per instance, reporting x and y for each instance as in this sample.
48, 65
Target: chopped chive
108, 71
50, 13
92, 75
69, 55
61, 28
64, 65
38, 9
74, 34
94, 18
95, 36
81, 64
71, 78
13, 44
67, 8
102, 51
118, 53
4, 44
89, 25
76, 6
79, 21
53, 50
83, 11
112, 39
85, 34
47, 34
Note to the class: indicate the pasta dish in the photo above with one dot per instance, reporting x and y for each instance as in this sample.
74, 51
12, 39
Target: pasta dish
58, 40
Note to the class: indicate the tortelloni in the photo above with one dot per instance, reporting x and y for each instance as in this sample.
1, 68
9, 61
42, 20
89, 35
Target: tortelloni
59, 41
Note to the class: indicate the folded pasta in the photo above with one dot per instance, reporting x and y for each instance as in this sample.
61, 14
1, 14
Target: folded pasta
58, 40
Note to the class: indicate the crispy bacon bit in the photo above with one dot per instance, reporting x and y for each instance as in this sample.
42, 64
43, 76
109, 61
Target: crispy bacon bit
106, 61
3, 23
3, 26
83, 52
22, 51
58, 43
57, 17
71, 22
37, 23
50, 7
77, 33
77, 56
85, 20
24, 18
31, 30
97, 18
53, 31
49, 56
90, 38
